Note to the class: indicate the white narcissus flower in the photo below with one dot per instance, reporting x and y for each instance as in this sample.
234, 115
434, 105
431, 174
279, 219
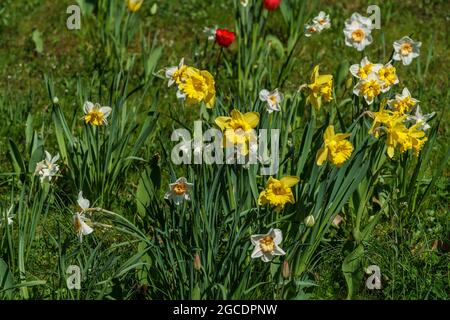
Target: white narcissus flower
310, 29
387, 75
273, 99
95, 114
357, 31
210, 33
8, 217
48, 168
369, 88
406, 50
79, 219
171, 72
319, 23
403, 102
267, 245
179, 191
322, 21
421, 119
364, 68
82, 202
81, 227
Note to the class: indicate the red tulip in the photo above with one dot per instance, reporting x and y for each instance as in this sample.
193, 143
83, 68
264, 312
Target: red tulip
271, 4
224, 37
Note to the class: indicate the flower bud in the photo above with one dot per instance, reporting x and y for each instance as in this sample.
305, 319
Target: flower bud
286, 270
271, 4
55, 100
309, 221
197, 262
224, 37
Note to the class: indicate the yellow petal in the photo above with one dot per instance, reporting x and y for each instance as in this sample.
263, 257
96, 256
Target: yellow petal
390, 151
252, 118
341, 136
289, 181
315, 74
329, 133
321, 156
223, 122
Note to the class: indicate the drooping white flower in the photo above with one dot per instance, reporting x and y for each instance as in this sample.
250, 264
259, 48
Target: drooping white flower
267, 245
172, 72
47, 168
357, 31
95, 114
79, 219
322, 20
364, 68
82, 202
179, 191
8, 217
421, 119
406, 50
273, 99
80, 225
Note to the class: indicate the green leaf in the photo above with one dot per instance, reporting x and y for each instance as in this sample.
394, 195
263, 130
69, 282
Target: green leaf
352, 269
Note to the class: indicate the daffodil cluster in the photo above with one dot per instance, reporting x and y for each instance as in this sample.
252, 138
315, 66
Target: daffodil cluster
194, 85
373, 79
398, 135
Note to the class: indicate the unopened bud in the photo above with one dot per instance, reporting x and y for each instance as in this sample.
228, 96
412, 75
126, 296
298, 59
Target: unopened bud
286, 270
309, 221
197, 262
55, 100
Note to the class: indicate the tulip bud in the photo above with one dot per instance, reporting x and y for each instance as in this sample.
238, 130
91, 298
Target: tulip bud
309, 221
286, 270
197, 262
271, 4
224, 37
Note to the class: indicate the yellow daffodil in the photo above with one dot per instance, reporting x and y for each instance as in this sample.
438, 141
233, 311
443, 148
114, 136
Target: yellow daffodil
134, 5
238, 128
418, 138
195, 85
335, 149
278, 192
320, 88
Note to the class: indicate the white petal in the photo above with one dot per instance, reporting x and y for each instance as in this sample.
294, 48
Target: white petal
278, 251
88, 107
256, 238
264, 95
277, 236
267, 257
82, 202
257, 252
85, 229
106, 111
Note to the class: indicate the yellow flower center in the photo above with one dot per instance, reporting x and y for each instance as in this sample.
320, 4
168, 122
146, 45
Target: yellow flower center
179, 189
388, 75
273, 99
371, 88
358, 35
406, 48
322, 21
312, 29
267, 244
363, 72
94, 117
